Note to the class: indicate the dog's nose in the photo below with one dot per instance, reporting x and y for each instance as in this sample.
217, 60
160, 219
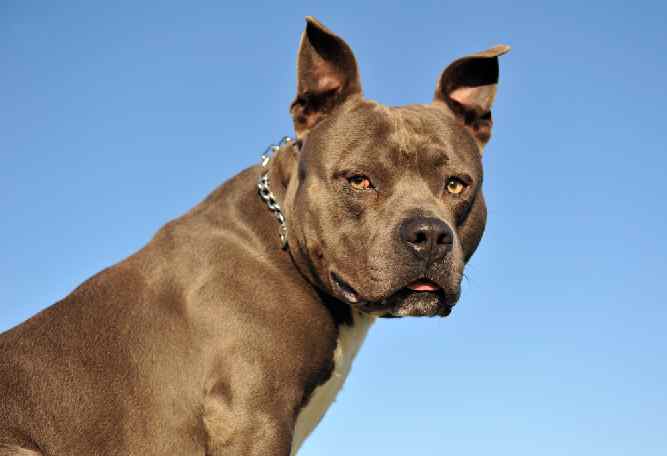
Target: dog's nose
430, 238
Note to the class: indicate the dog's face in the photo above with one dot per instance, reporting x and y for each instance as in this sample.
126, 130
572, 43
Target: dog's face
384, 205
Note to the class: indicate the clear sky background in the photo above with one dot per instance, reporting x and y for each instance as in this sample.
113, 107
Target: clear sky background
116, 117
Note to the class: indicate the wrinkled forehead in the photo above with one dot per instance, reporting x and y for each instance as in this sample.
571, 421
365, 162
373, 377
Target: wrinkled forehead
401, 136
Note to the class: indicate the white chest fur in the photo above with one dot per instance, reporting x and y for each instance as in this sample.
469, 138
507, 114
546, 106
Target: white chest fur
350, 339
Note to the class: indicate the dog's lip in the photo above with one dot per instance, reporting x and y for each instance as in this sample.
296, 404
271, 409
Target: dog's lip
389, 308
423, 285
349, 293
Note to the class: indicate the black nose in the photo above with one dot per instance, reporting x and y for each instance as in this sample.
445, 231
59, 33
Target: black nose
430, 238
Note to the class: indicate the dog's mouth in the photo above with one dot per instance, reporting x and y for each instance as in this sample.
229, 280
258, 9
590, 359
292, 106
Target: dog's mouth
345, 289
420, 298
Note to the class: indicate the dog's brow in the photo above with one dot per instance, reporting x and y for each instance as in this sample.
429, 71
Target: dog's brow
439, 156
377, 164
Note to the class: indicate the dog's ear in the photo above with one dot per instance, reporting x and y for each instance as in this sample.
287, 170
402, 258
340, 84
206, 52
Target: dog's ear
468, 86
327, 75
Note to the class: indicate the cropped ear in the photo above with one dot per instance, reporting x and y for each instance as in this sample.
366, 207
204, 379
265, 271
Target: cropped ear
327, 75
468, 87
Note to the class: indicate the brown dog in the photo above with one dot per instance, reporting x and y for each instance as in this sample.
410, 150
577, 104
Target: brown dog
214, 339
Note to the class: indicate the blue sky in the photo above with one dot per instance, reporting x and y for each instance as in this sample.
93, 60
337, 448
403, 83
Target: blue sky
116, 117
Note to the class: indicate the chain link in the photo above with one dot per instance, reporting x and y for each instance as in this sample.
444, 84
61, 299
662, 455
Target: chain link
265, 191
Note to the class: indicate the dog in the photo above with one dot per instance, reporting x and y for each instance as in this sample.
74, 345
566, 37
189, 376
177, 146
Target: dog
233, 329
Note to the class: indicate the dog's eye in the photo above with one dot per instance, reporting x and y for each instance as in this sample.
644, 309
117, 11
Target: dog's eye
360, 182
455, 185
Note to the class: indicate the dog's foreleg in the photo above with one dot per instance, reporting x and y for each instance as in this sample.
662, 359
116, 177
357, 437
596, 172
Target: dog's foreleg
261, 437
254, 431
13, 450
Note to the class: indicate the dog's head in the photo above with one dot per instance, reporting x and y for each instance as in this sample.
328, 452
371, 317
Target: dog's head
384, 205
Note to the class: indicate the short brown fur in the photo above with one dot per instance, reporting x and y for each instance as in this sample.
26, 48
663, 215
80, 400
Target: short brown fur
211, 339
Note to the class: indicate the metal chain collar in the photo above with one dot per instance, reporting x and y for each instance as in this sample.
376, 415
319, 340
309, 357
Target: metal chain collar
265, 191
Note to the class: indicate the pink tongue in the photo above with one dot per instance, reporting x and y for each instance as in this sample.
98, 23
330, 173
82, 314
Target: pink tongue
423, 286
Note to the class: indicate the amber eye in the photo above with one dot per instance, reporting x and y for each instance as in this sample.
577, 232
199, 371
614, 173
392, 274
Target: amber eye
455, 185
360, 182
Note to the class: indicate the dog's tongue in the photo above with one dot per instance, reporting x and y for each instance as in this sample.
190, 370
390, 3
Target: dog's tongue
423, 286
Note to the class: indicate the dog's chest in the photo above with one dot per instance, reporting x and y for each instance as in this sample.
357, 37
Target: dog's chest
350, 339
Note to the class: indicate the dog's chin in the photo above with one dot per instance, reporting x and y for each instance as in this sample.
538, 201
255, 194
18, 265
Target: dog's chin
419, 299
411, 303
